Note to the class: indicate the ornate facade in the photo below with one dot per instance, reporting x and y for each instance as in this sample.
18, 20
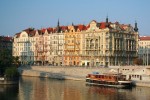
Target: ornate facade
96, 44
23, 46
73, 45
109, 44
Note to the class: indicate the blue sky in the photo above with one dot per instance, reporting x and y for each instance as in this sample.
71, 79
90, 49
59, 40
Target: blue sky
17, 15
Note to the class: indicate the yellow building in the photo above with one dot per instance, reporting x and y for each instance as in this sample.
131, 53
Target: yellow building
72, 46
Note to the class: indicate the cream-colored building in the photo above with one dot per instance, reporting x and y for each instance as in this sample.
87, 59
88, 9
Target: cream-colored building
109, 44
23, 46
144, 49
56, 45
56, 48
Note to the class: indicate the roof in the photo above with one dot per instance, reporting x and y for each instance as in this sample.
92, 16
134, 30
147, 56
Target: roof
102, 25
81, 27
17, 35
144, 38
6, 38
49, 30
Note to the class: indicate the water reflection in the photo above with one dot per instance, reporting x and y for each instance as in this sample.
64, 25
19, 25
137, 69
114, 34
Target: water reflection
33, 88
9, 92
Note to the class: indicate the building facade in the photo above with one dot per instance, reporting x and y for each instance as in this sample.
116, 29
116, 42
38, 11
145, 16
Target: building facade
109, 44
144, 49
73, 45
95, 44
23, 46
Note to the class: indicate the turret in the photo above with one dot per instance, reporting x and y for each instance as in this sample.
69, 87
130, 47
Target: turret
107, 24
136, 28
58, 27
72, 24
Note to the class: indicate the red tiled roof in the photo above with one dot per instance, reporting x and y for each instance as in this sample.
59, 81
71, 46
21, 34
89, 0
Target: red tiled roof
102, 25
49, 30
87, 26
81, 27
7, 38
18, 34
144, 38
54, 30
63, 28
123, 27
32, 33
28, 30
43, 30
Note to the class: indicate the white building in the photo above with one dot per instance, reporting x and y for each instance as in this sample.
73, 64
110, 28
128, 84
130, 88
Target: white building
23, 46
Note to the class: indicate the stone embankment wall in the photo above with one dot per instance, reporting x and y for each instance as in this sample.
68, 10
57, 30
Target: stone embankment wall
75, 73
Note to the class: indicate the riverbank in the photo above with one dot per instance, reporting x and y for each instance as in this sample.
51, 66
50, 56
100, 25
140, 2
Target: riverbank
73, 73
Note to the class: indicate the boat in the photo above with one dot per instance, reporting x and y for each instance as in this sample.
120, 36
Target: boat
9, 81
109, 80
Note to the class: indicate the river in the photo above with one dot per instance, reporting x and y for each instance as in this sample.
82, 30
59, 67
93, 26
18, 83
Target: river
34, 88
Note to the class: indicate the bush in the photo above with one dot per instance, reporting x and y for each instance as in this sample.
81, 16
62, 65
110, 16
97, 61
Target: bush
11, 72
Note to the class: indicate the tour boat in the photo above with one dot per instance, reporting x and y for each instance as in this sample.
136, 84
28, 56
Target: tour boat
108, 79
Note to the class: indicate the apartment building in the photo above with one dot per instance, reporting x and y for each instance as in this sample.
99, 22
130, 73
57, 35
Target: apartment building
144, 49
109, 44
23, 46
95, 44
56, 45
73, 45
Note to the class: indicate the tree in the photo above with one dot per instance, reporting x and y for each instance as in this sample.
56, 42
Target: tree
7, 60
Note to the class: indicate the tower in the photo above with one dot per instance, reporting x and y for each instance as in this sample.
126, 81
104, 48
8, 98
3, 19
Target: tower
136, 28
58, 27
107, 24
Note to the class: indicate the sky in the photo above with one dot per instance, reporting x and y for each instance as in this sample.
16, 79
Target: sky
17, 15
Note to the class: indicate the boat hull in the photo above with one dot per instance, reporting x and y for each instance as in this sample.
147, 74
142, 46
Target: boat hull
123, 84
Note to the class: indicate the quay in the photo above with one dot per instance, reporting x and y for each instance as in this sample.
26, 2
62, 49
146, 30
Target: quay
140, 75
60, 72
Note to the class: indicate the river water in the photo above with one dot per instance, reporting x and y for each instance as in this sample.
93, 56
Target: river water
34, 88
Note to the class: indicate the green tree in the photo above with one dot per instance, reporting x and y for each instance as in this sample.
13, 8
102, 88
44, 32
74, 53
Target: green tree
7, 60
11, 72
